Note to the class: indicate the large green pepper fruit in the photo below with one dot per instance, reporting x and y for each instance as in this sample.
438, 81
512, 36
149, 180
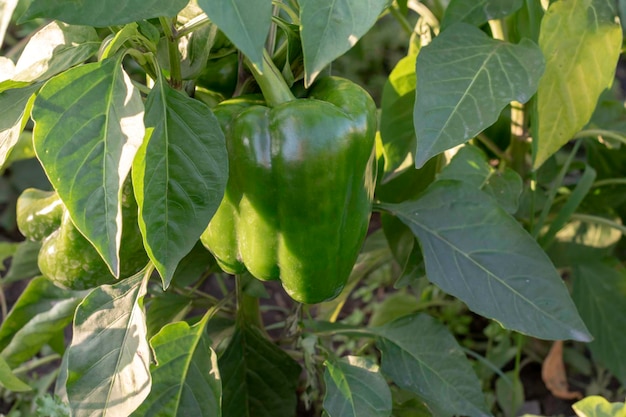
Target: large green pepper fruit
66, 257
299, 196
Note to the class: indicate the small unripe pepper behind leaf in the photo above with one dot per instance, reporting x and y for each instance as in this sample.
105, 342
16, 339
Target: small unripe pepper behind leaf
300, 189
66, 257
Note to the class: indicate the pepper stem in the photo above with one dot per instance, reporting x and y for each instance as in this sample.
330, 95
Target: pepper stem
273, 85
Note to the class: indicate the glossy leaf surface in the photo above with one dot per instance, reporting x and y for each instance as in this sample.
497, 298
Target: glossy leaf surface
88, 126
14, 105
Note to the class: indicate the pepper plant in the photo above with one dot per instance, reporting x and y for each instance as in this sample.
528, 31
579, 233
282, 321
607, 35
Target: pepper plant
192, 150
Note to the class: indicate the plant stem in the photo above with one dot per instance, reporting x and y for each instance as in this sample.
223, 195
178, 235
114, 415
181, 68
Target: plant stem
599, 220
590, 133
489, 144
36, 363
273, 85
247, 306
194, 24
404, 23
518, 148
176, 79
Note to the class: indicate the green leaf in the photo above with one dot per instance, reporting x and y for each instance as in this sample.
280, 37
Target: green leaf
465, 79
88, 126
596, 406
6, 12
103, 13
329, 29
396, 123
185, 380
109, 357
180, 170
41, 312
479, 11
600, 295
258, 378
581, 51
55, 48
477, 252
24, 262
15, 104
245, 22
469, 165
355, 387
7, 250
9, 381
420, 355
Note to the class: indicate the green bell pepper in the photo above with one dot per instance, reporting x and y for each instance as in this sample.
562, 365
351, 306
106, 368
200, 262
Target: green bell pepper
299, 195
66, 257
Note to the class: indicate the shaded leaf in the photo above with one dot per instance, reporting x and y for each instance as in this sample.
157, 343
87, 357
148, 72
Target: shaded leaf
469, 165
55, 48
88, 126
465, 79
329, 29
15, 105
24, 262
185, 380
576, 41
420, 355
600, 295
41, 312
9, 381
355, 387
477, 252
103, 13
109, 357
181, 169
245, 22
259, 379
479, 11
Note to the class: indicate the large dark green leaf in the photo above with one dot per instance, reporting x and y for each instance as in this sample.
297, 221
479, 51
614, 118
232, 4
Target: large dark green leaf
179, 175
355, 387
41, 312
101, 13
469, 165
465, 79
600, 295
330, 28
88, 126
15, 105
258, 378
109, 358
477, 252
581, 47
185, 380
245, 22
420, 355
478, 12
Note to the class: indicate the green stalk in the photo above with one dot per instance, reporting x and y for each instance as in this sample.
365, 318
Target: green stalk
247, 306
176, 78
273, 85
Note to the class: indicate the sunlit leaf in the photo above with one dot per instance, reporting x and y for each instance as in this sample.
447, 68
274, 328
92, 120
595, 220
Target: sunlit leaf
109, 357
102, 13
6, 12
41, 312
465, 79
355, 387
477, 252
596, 406
245, 22
15, 105
329, 29
581, 48
185, 380
88, 126
420, 355
181, 169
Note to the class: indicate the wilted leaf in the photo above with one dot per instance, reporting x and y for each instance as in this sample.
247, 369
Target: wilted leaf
554, 376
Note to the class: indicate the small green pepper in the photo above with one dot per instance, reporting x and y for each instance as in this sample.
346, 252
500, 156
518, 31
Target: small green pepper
66, 257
